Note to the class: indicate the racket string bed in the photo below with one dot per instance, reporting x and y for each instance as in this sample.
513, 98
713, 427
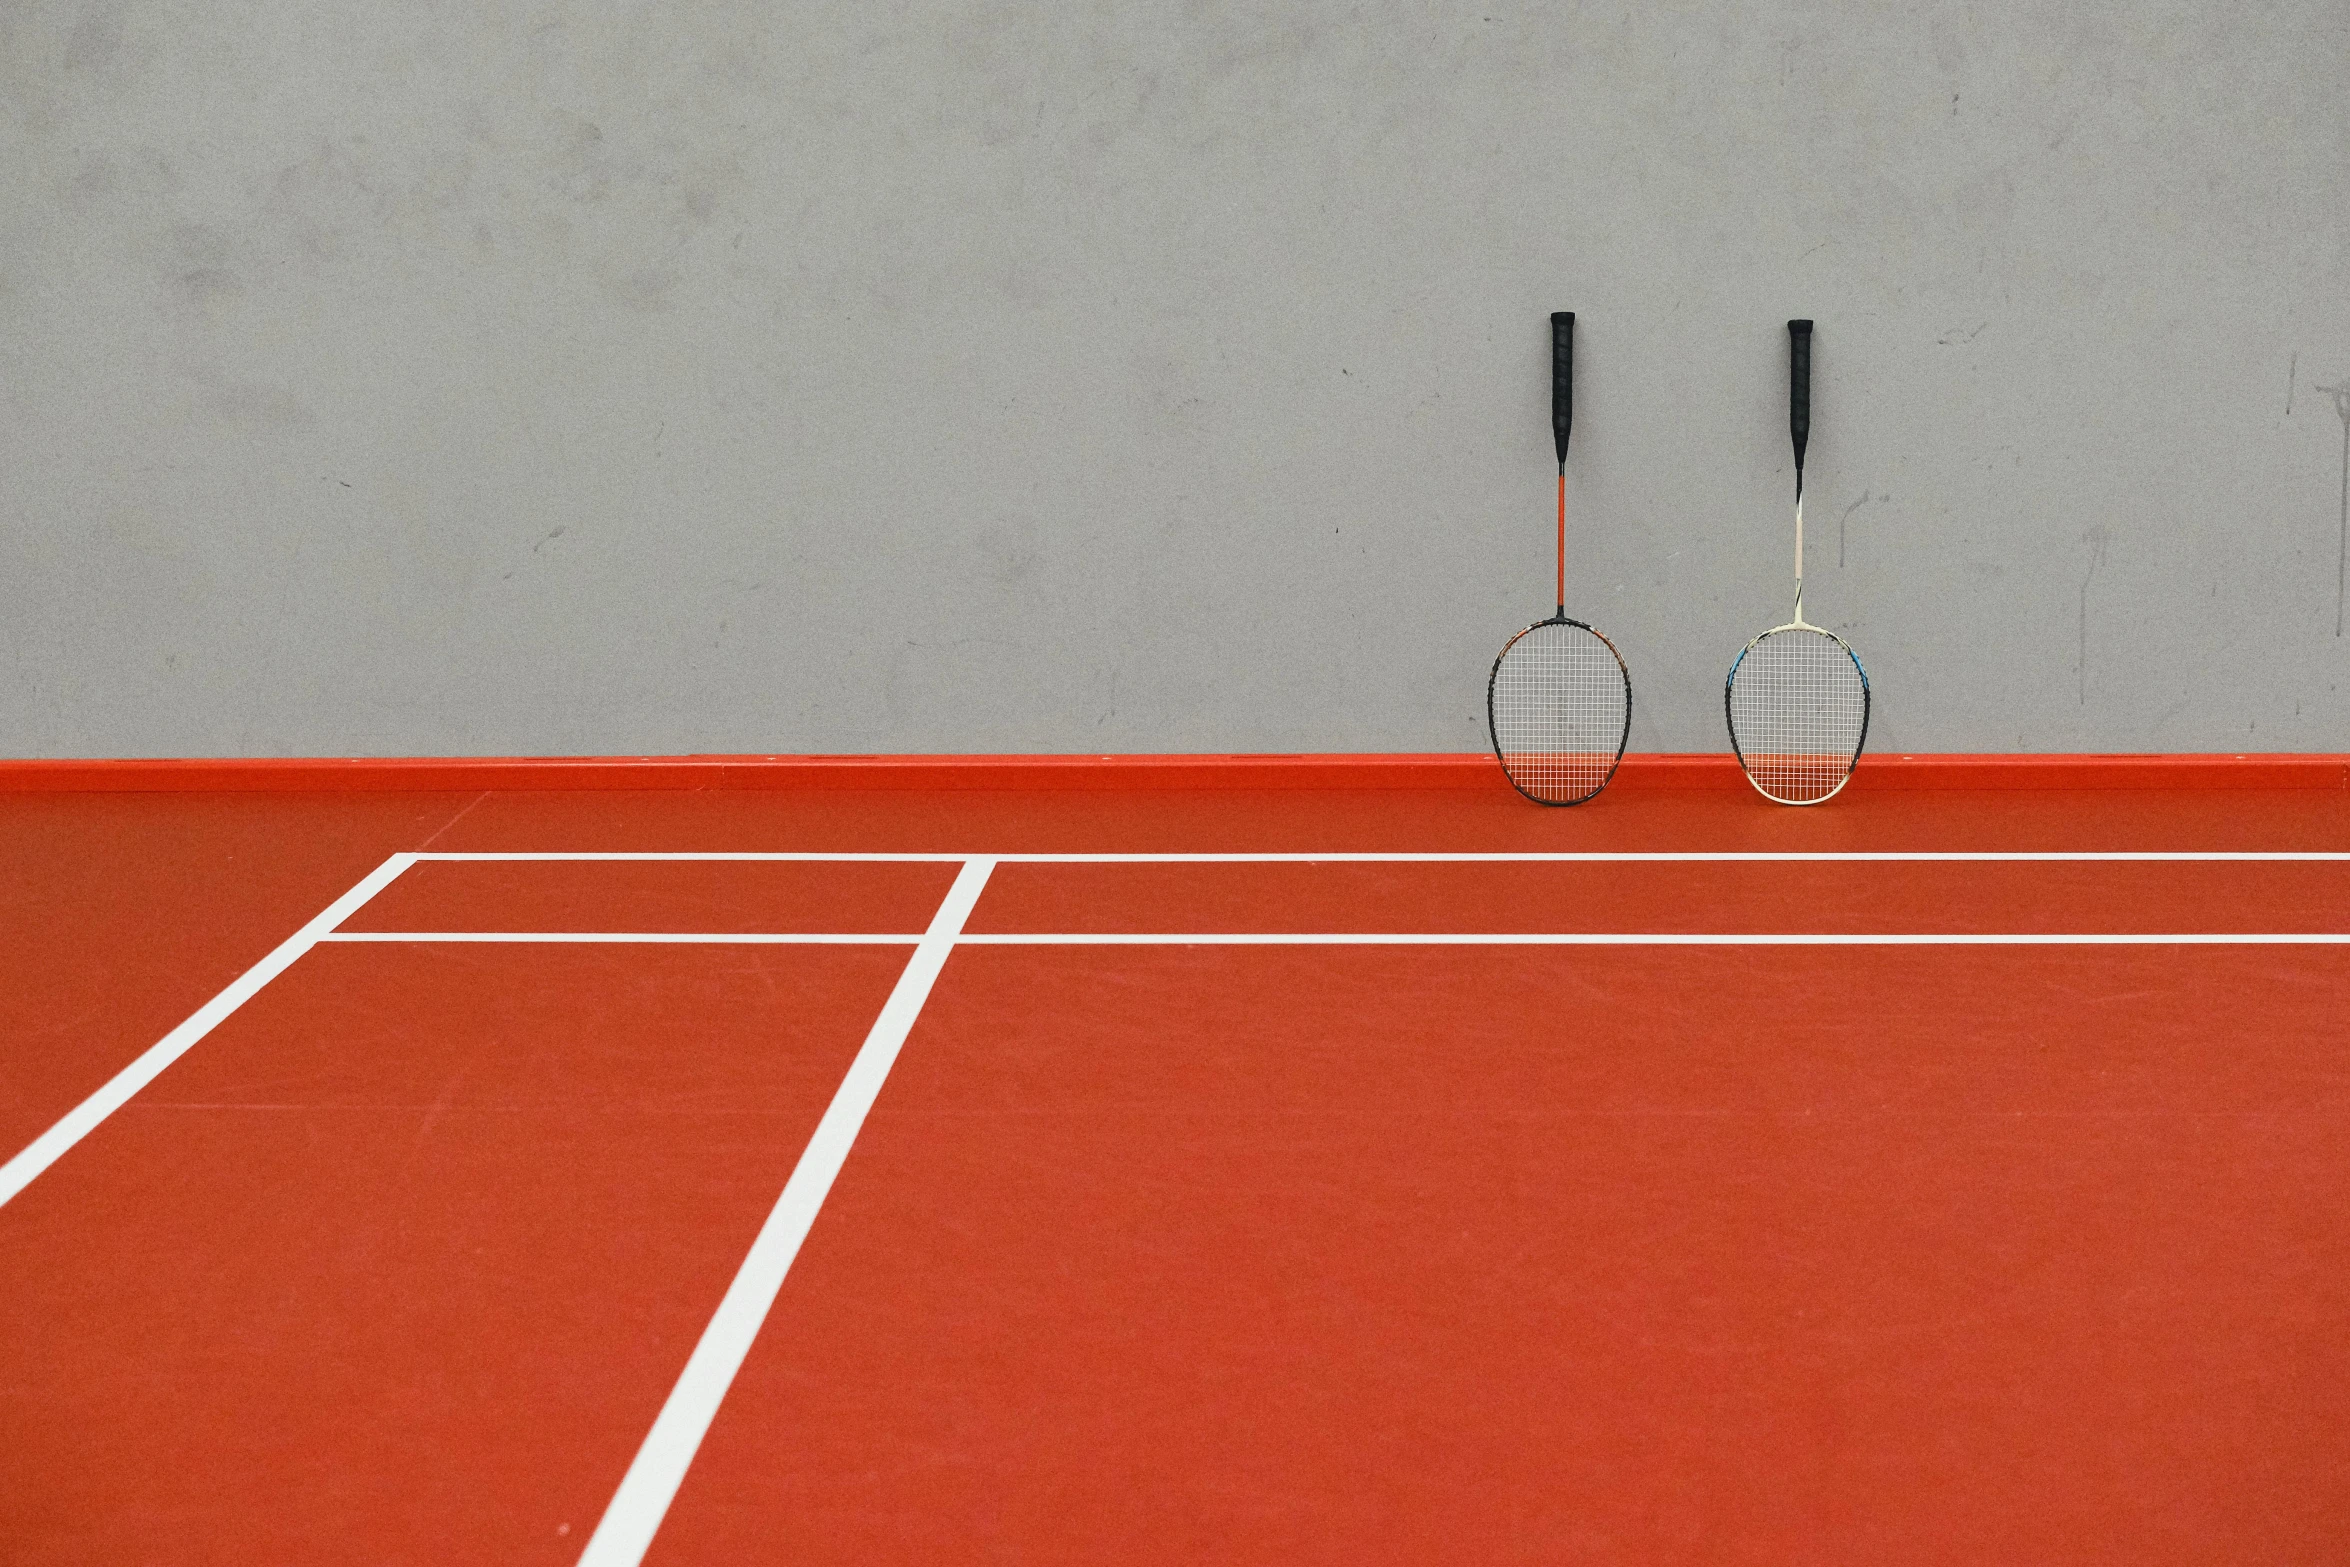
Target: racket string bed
1799, 713
1560, 706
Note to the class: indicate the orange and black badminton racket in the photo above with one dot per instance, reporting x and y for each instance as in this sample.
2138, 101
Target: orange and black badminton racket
1797, 699
1559, 701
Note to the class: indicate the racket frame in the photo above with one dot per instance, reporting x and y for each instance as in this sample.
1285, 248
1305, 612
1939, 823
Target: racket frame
1493, 725
1799, 428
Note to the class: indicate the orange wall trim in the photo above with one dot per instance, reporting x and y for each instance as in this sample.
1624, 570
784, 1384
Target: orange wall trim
1424, 771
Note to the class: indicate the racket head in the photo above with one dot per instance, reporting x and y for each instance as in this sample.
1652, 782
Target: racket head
1797, 701
1559, 709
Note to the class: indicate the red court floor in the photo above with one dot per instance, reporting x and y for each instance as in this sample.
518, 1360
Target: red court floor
1966, 1187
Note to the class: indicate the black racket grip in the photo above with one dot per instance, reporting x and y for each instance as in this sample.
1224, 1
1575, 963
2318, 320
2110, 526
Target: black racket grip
1799, 387
1562, 378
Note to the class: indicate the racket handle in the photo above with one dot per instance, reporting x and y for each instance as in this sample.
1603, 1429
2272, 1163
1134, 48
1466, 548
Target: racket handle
1799, 391
1562, 379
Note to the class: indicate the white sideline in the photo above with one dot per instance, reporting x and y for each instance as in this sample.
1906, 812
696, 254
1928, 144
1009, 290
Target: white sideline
636, 1509
2152, 856
84, 1118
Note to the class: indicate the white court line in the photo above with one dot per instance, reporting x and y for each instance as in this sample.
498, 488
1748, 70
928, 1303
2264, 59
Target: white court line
637, 1508
1381, 938
754, 938
84, 1118
2153, 856
1628, 938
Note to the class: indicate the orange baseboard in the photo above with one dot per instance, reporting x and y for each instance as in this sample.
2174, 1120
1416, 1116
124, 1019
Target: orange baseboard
1321, 771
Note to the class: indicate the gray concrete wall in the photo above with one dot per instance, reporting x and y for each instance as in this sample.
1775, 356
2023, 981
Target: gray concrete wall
550, 377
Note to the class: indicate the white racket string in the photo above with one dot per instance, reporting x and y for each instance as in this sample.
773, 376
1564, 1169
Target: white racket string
1799, 713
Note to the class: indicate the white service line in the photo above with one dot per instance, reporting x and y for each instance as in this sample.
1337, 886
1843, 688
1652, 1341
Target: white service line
1705, 857
754, 938
637, 1508
84, 1118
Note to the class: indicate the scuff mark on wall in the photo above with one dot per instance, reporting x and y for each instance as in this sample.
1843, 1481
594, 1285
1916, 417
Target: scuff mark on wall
1847, 517
645, 289
95, 40
2340, 393
260, 406
1841, 521
2292, 370
2096, 538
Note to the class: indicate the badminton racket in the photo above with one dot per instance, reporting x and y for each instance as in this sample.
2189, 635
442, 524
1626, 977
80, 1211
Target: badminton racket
1797, 699
1559, 701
